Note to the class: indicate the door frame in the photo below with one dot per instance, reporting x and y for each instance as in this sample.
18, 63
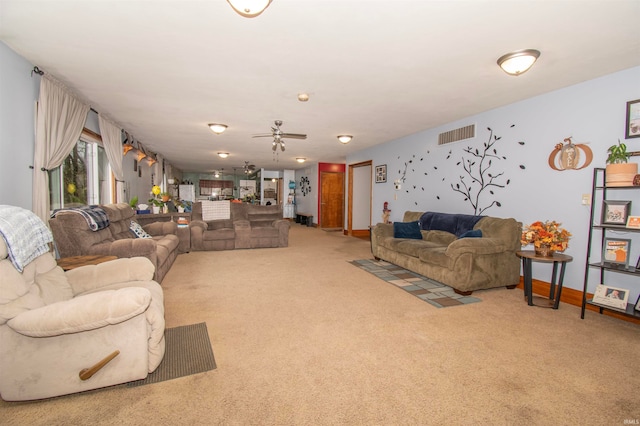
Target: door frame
349, 230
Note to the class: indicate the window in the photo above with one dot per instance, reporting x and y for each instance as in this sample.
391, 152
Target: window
84, 178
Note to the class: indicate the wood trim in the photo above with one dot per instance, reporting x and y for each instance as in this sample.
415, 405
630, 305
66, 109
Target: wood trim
572, 297
360, 233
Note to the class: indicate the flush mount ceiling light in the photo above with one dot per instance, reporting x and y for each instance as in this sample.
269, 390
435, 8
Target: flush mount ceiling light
301, 159
516, 63
345, 139
303, 97
249, 8
223, 154
217, 128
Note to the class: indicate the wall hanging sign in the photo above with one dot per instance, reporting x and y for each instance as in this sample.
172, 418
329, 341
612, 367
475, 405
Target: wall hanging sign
570, 156
381, 173
633, 119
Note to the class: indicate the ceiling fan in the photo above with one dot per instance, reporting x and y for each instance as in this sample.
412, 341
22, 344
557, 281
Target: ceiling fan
278, 135
248, 168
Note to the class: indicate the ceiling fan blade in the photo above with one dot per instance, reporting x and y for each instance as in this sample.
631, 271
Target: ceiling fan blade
293, 136
263, 135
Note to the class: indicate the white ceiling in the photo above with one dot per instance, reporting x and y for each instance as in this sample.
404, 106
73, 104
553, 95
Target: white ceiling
378, 70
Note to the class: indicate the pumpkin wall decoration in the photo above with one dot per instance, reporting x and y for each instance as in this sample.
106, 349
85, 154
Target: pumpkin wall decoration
570, 156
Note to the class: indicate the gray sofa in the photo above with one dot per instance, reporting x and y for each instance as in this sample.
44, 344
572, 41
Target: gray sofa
73, 237
437, 252
249, 226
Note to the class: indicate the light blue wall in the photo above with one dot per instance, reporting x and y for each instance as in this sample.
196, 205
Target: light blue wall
18, 94
592, 113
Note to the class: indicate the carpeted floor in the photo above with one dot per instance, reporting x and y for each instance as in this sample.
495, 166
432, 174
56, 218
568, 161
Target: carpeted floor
188, 351
431, 291
302, 337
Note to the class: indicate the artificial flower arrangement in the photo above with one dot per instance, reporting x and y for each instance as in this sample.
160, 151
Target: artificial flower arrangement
155, 199
546, 233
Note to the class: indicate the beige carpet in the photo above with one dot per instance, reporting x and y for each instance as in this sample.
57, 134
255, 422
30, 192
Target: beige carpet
301, 337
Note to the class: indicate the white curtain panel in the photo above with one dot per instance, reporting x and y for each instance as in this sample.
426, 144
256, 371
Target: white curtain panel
60, 120
112, 142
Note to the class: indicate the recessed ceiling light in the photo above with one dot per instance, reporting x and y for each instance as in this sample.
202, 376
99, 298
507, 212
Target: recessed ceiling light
217, 128
223, 154
345, 139
516, 63
303, 97
301, 159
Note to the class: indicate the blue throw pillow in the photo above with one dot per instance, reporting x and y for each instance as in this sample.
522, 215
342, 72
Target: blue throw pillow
407, 230
474, 233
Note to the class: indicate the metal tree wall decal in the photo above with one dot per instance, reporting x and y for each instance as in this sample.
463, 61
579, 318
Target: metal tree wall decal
480, 179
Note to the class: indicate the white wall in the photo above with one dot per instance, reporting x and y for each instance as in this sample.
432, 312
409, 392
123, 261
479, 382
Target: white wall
18, 93
361, 210
592, 112
308, 203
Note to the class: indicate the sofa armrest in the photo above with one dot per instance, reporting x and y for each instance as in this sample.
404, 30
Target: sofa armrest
198, 224
382, 230
91, 277
476, 246
156, 229
82, 313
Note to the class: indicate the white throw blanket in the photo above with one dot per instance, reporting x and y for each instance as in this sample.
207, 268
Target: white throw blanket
215, 210
25, 234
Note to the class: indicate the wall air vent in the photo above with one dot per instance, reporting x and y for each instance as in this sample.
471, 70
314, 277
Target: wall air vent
466, 132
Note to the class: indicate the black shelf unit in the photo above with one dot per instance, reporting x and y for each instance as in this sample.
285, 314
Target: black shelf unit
599, 187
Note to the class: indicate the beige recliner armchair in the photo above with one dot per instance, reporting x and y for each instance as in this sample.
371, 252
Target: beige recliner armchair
65, 332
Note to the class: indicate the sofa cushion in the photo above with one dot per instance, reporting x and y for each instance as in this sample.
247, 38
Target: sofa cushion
137, 231
474, 233
219, 234
408, 246
435, 256
407, 230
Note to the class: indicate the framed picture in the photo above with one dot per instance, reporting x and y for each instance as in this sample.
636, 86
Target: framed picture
381, 173
633, 119
633, 222
615, 212
611, 296
615, 252
637, 307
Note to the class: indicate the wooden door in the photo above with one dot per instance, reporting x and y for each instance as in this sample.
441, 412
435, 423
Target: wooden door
332, 200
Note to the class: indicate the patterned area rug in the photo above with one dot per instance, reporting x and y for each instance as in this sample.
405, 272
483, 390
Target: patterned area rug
188, 351
432, 292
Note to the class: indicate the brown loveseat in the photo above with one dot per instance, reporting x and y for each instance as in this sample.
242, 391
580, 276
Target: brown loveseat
249, 226
480, 257
73, 237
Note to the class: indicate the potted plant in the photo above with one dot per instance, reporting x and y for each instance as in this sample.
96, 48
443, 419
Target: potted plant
619, 172
155, 200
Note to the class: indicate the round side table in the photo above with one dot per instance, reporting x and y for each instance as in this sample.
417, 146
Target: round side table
530, 256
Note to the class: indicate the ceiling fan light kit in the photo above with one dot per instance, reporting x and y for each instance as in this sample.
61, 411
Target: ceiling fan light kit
249, 8
345, 139
518, 62
223, 154
217, 128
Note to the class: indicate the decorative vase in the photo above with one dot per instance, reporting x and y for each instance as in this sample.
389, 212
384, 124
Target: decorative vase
544, 250
165, 209
180, 209
156, 209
